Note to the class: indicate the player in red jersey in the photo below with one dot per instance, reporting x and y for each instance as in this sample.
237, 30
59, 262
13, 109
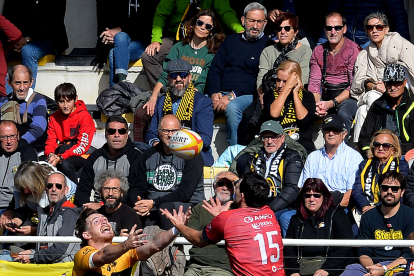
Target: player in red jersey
252, 234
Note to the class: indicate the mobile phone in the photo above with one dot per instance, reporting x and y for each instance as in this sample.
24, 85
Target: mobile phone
12, 225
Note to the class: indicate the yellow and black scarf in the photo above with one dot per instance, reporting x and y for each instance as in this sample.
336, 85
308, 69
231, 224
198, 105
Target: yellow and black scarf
288, 114
369, 177
185, 108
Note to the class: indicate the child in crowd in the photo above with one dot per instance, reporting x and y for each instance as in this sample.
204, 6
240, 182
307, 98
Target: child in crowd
70, 132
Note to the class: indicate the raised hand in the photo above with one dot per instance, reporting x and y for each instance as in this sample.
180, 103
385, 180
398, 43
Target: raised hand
134, 239
215, 208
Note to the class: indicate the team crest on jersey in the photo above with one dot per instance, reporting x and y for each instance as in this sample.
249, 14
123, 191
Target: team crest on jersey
165, 177
14, 169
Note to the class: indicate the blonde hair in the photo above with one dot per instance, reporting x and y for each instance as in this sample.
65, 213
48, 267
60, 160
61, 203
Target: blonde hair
396, 143
290, 67
32, 176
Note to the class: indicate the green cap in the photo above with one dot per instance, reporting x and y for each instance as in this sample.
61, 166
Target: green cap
272, 126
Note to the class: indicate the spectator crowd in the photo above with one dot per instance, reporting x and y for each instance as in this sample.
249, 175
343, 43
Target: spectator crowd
274, 73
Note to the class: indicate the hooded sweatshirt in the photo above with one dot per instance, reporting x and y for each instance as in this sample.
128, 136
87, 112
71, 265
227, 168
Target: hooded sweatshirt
126, 162
78, 126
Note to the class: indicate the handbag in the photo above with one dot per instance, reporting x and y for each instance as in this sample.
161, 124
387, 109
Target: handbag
330, 91
308, 266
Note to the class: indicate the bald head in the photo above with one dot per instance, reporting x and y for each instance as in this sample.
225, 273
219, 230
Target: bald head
168, 125
9, 136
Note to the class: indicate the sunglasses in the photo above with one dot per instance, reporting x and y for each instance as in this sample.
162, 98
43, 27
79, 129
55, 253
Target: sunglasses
337, 28
394, 189
50, 186
394, 83
378, 27
287, 28
385, 146
314, 195
182, 75
121, 131
223, 183
200, 23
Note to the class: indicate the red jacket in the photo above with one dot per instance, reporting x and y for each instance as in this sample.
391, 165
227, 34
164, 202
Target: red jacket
9, 36
79, 126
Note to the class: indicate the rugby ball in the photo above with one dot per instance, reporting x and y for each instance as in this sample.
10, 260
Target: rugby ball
186, 144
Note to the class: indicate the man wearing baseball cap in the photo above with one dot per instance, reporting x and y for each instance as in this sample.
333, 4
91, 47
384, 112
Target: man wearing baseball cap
393, 110
336, 163
193, 109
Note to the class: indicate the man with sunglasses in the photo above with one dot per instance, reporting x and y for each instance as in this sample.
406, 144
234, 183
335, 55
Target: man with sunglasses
393, 111
391, 220
193, 109
119, 153
231, 81
56, 219
13, 152
165, 180
331, 71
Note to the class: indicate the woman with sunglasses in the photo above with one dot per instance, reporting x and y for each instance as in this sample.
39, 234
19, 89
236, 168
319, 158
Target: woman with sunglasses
384, 155
30, 192
385, 47
317, 218
203, 37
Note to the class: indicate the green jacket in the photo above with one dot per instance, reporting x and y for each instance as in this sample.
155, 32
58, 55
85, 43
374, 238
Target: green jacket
201, 63
170, 12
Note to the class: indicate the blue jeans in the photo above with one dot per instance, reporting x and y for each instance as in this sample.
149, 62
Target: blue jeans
123, 52
5, 255
284, 220
358, 270
234, 113
31, 53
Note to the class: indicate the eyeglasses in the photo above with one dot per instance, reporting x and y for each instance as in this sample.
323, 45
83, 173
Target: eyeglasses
50, 186
337, 28
182, 75
287, 28
121, 131
200, 23
7, 137
252, 21
168, 131
379, 28
223, 183
275, 137
394, 189
314, 195
114, 190
385, 146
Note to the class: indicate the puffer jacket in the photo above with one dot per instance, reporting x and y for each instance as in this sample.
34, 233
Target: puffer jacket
371, 62
355, 12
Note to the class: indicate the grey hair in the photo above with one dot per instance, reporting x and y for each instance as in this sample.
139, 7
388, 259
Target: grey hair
104, 176
217, 177
378, 15
254, 6
58, 172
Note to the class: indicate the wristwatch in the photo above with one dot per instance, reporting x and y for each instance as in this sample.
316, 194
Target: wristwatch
230, 96
335, 102
27, 40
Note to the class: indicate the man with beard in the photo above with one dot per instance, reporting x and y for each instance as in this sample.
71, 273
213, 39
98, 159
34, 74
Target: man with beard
232, 76
391, 220
331, 71
212, 259
113, 186
165, 180
251, 232
193, 109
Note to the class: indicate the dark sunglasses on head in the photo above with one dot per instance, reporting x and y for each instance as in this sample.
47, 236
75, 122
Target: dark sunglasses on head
121, 131
287, 28
200, 23
337, 28
182, 75
385, 146
314, 195
50, 186
223, 183
385, 188
378, 27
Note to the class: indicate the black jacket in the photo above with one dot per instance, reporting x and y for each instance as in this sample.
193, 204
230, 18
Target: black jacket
292, 168
376, 120
42, 20
336, 226
126, 162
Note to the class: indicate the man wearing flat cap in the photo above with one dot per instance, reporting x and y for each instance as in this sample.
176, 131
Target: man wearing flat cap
193, 109
336, 163
393, 111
